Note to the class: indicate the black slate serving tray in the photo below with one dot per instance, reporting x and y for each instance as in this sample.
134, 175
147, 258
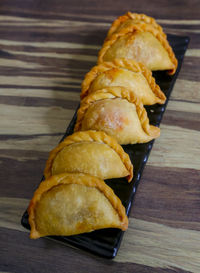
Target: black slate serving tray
106, 242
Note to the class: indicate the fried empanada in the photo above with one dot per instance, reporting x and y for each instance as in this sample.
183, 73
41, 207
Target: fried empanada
69, 204
127, 73
119, 113
130, 19
141, 42
90, 152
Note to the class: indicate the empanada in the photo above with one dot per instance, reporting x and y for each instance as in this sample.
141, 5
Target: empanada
127, 73
69, 204
130, 19
141, 42
119, 113
90, 152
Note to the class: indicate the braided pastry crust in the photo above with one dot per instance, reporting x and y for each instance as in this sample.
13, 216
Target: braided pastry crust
149, 132
117, 210
134, 30
133, 18
157, 95
92, 136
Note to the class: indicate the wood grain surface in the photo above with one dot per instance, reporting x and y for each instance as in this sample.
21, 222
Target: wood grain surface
46, 47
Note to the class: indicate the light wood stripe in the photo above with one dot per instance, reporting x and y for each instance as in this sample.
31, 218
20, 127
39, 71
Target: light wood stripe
33, 66
38, 81
19, 64
194, 52
68, 56
178, 22
183, 31
40, 93
186, 90
147, 243
11, 212
157, 245
5, 154
20, 21
187, 107
37, 143
57, 44
22, 120
176, 147
62, 25
110, 18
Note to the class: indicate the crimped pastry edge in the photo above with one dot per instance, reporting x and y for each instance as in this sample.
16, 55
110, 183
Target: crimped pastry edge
117, 92
90, 135
75, 178
140, 28
131, 65
134, 16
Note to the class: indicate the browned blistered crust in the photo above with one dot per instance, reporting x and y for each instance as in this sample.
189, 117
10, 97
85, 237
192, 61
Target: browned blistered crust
90, 136
75, 178
142, 27
122, 63
117, 92
136, 17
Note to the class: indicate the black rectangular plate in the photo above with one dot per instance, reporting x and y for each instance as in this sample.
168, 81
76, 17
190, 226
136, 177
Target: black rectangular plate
106, 242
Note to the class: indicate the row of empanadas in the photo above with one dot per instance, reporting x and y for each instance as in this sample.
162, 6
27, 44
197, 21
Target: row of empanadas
74, 198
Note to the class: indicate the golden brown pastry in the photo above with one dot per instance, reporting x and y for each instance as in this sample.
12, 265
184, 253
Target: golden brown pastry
127, 73
69, 204
90, 152
119, 113
130, 19
141, 42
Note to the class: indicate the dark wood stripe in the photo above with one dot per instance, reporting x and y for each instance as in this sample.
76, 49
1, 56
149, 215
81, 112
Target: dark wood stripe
25, 137
55, 257
50, 88
5, 71
169, 196
189, 70
21, 173
194, 40
180, 118
184, 27
94, 36
43, 72
30, 9
38, 102
56, 62
25, 48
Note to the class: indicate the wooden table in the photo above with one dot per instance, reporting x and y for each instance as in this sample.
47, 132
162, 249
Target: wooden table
46, 49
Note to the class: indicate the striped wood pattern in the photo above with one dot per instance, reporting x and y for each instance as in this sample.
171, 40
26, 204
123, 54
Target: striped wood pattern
46, 47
